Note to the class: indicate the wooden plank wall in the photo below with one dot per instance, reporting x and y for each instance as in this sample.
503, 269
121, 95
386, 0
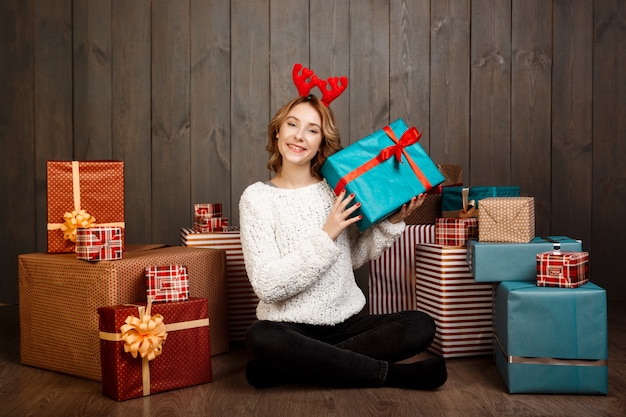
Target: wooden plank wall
524, 92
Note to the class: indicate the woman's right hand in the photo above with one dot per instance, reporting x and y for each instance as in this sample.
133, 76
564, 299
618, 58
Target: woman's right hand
339, 218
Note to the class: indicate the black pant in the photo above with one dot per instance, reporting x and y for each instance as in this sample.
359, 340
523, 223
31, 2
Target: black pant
355, 352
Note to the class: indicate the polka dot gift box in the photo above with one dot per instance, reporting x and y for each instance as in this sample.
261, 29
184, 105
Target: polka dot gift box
174, 353
82, 194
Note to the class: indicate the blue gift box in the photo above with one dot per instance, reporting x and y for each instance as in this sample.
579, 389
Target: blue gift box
383, 172
496, 262
551, 340
452, 197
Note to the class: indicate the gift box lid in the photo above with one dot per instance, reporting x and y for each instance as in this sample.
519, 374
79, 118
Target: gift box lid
389, 183
551, 322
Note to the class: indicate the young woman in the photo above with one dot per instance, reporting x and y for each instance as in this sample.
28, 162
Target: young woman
300, 246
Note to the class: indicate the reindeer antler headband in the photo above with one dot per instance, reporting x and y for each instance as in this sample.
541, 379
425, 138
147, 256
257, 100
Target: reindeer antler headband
337, 84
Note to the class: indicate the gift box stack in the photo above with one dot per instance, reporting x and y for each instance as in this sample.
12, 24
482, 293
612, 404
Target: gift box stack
207, 217
241, 299
549, 321
89, 267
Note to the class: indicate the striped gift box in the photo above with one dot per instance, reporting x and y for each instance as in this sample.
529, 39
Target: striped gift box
392, 275
100, 243
461, 307
241, 299
167, 283
562, 269
455, 231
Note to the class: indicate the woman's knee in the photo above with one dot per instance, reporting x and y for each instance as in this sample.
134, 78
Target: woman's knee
423, 327
263, 338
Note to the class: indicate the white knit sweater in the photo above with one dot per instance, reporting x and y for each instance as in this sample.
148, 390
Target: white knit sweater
298, 272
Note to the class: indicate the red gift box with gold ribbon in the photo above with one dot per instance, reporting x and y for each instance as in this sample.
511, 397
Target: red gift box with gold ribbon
147, 349
82, 194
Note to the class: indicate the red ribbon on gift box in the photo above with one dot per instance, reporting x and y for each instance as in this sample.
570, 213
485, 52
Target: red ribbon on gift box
410, 137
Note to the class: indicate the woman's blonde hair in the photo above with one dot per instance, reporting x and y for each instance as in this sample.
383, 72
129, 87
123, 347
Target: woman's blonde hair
331, 141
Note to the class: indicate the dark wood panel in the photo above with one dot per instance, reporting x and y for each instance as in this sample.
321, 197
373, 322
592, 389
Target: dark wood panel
53, 89
330, 53
531, 72
609, 145
490, 100
369, 68
211, 158
17, 141
450, 83
92, 79
250, 94
289, 43
409, 69
171, 200
130, 130
572, 120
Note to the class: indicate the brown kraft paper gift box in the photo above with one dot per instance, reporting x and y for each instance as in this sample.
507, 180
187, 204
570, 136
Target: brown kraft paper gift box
59, 296
97, 187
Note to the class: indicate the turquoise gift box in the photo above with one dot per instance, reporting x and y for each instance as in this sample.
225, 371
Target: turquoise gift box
452, 197
384, 170
551, 340
496, 262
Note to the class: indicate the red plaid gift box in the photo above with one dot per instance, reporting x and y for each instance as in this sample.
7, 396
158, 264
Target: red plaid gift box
181, 354
82, 194
99, 243
204, 224
167, 283
562, 269
208, 209
455, 231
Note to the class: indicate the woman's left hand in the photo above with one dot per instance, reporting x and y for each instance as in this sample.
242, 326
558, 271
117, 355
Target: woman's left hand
407, 209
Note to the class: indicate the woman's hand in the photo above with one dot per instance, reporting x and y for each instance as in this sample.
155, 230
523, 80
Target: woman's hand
406, 210
339, 217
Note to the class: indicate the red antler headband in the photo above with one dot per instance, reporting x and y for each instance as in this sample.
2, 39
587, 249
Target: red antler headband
337, 84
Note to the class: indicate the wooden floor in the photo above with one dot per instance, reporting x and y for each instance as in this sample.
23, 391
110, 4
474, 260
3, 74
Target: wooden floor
474, 388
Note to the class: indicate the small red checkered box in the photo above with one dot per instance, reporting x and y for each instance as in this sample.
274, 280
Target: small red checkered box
167, 283
455, 231
100, 243
208, 209
562, 269
204, 224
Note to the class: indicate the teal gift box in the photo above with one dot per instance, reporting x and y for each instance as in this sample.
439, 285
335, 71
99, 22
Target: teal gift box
384, 170
551, 340
452, 197
496, 262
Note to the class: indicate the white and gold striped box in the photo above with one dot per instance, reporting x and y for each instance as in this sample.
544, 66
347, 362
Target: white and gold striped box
242, 300
461, 307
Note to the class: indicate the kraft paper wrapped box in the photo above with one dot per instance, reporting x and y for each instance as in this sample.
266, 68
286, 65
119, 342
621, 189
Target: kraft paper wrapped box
461, 307
452, 198
496, 262
185, 353
392, 276
430, 209
384, 170
506, 219
551, 340
241, 299
59, 296
82, 193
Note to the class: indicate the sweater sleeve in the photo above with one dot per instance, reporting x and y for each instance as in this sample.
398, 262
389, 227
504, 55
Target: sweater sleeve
277, 273
370, 244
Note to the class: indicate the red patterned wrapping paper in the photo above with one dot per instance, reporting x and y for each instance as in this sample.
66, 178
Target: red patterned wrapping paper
96, 187
562, 269
241, 299
208, 210
461, 307
167, 283
392, 275
185, 360
204, 224
99, 243
455, 231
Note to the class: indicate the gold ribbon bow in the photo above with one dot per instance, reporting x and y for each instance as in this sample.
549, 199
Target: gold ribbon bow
469, 207
144, 335
74, 220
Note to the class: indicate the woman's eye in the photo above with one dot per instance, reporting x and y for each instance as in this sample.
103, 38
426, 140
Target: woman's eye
292, 124
313, 131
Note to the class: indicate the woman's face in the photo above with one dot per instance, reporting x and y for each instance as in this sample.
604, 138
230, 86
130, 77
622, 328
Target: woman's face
300, 135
